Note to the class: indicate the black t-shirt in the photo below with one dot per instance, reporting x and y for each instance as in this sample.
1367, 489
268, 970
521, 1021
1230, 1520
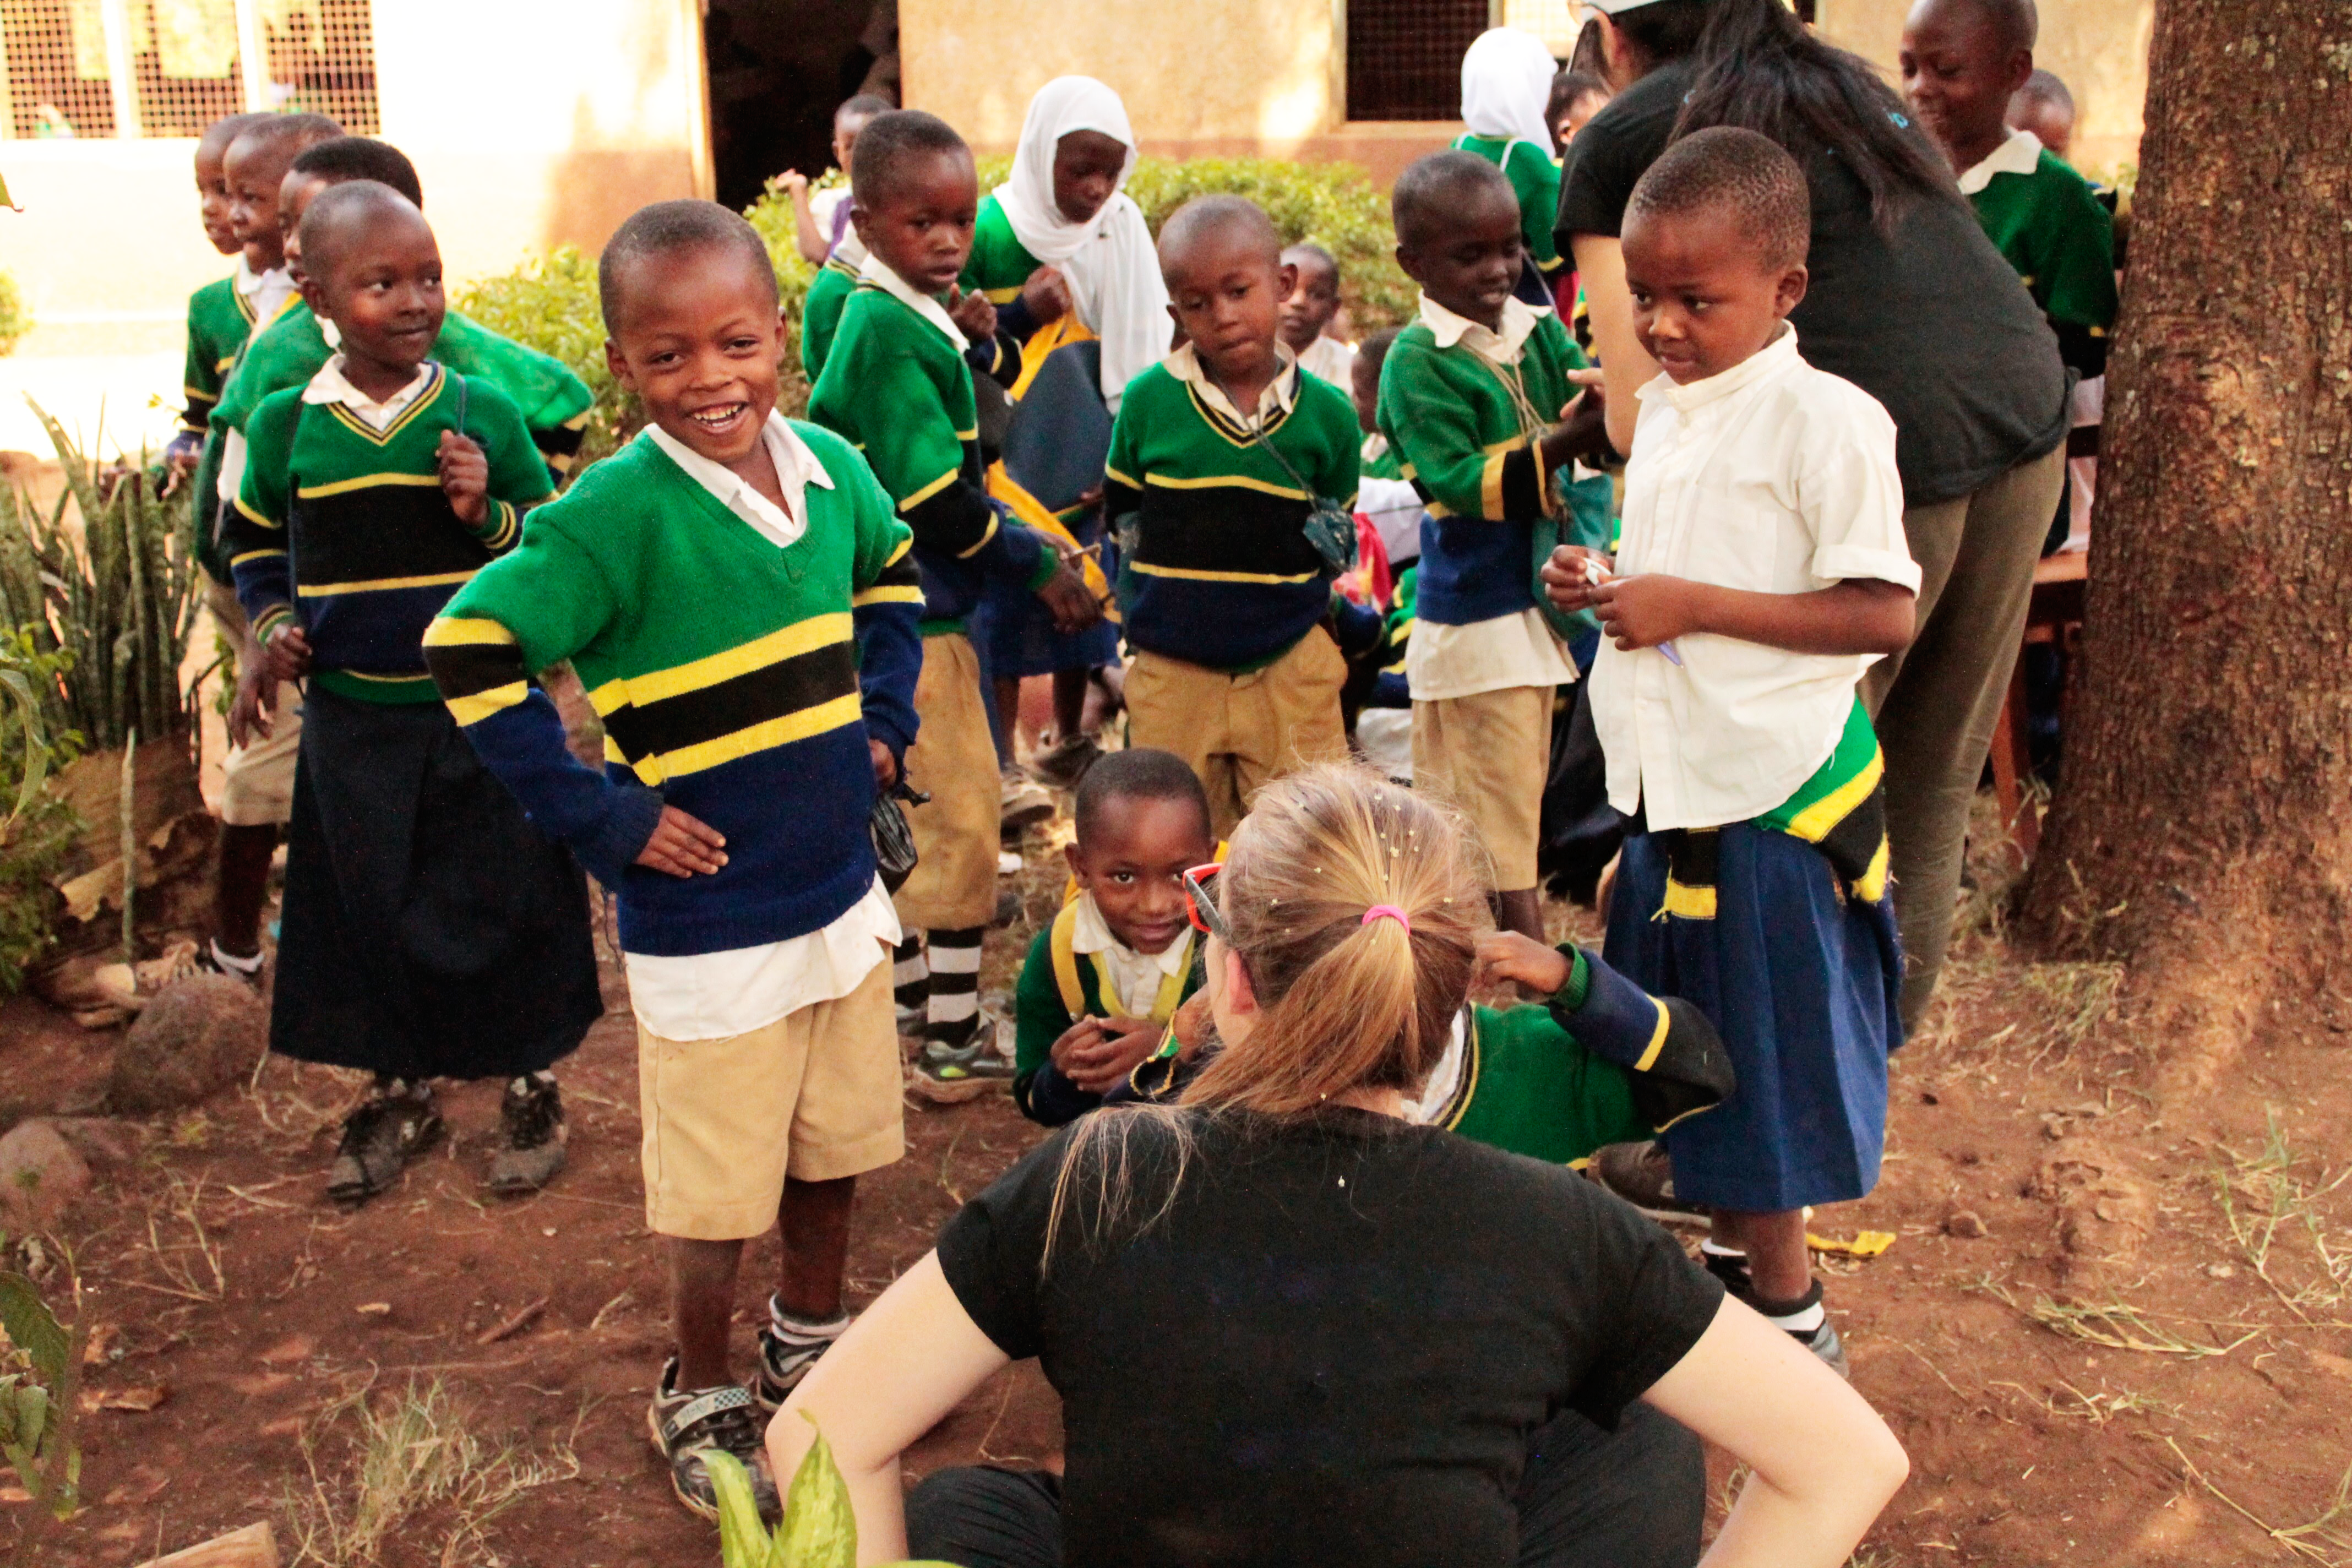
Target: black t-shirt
1929, 320
1333, 1345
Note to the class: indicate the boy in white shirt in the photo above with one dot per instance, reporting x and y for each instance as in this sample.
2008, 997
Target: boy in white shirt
1762, 569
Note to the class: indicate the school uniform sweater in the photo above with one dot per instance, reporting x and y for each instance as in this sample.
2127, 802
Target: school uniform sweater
344, 529
2047, 223
220, 319
1059, 985
897, 386
1221, 574
821, 309
1462, 427
737, 681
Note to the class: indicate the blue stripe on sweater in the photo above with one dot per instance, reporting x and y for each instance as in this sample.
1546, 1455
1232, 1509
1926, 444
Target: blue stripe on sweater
1472, 570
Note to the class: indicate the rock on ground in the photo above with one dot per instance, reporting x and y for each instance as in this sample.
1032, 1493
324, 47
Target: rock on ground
196, 1038
40, 1174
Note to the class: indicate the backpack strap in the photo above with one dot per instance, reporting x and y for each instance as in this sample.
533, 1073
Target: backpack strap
1062, 943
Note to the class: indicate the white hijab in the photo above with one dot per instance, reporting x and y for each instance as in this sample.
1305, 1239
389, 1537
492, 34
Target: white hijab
1506, 86
1110, 262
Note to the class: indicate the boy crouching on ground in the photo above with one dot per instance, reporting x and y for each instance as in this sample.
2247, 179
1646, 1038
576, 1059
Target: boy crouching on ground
738, 598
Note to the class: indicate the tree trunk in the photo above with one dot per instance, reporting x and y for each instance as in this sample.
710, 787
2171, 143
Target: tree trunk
2203, 828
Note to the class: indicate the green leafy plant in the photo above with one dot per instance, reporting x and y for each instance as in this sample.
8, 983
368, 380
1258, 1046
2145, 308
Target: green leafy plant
40, 1391
819, 1530
37, 828
14, 322
117, 596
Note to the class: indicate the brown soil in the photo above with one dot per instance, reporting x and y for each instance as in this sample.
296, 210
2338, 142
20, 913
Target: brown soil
2084, 1362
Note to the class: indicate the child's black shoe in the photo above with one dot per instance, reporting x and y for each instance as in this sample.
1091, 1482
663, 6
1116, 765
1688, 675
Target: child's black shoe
394, 1125
532, 1118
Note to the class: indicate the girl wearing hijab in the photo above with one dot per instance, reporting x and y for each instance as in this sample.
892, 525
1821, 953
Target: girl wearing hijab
1507, 78
1062, 253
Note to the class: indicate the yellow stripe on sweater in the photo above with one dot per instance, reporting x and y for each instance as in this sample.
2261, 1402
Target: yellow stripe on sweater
1813, 823
380, 584
367, 481
482, 705
800, 638
1224, 481
464, 631
845, 709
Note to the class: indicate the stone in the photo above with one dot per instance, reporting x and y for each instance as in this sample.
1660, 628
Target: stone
40, 1175
200, 1036
1966, 1223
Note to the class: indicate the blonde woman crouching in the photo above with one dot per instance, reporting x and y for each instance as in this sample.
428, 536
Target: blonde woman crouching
1289, 1327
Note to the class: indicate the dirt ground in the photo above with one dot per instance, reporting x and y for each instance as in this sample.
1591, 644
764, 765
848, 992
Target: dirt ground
2109, 1331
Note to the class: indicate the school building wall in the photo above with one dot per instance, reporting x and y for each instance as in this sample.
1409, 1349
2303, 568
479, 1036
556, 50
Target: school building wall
532, 125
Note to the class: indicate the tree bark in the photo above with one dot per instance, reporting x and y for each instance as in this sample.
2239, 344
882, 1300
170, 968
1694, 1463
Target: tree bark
2203, 829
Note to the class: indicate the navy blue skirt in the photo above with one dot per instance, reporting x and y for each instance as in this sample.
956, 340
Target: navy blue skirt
1016, 636
1800, 978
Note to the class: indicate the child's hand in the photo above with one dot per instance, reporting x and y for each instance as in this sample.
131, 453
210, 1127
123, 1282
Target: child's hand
886, 766
253, 711
1646, 610
973, 314
1573, 575
1047, 297
1065, 599
1098, 1054
794, 183
683, 845
286, 654
1508, 955
465, 478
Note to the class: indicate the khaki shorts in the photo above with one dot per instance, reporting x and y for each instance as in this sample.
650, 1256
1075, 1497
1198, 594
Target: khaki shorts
953, 761
815, 1095
1240, 732
258, 781
1488, 755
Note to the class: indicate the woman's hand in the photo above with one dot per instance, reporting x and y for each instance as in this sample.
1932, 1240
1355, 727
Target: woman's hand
1572, 575
1823, 1463
1047, 295
1508, 955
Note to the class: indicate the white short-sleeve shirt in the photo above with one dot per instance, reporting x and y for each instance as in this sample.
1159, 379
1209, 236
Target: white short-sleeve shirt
1772, 477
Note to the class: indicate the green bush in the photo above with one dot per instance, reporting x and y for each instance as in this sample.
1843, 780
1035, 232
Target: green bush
1334, 205
36, 828
14, 322
549, 301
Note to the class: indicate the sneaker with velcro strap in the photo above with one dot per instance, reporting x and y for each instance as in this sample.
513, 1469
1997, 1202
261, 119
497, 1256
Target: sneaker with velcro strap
782, 1363
688, 1425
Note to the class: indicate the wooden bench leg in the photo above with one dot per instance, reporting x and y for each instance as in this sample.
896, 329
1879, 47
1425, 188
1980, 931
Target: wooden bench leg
2011, 765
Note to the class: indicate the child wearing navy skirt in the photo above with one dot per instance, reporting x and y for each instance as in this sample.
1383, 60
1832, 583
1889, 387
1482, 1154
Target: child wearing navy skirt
1762, 569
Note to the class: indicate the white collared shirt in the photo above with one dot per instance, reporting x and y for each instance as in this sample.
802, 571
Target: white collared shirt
1516, 649
269, 292
1775, 478
796, 468
1276, 397
330, 385
715, 995
1330, 359
878, 272
2020, 154
1136, 978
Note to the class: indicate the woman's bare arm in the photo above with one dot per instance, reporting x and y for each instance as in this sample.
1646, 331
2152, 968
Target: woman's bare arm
1600, 268
1823, 1463
908, 1359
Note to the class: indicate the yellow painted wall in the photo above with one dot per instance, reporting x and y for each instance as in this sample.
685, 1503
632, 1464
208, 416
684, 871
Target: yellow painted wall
532, 124
2098, 48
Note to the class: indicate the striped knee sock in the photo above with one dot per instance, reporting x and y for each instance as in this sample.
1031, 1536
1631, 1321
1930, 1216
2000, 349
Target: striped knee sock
954, 1006
910, 981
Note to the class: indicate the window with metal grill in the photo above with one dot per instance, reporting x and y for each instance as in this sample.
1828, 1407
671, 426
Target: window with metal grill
1404, 56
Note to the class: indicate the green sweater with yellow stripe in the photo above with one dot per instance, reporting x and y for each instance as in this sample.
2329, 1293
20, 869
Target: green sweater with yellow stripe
738, 682
345, 528
219, 321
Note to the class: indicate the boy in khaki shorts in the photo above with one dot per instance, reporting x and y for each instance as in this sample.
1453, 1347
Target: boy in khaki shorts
740, 602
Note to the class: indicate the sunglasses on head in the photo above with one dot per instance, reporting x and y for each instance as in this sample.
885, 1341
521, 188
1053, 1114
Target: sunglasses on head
1201, 904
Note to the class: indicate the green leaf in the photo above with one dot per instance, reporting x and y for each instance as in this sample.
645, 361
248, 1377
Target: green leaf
743, 1540
819, 1531
24, 1416
33, 1327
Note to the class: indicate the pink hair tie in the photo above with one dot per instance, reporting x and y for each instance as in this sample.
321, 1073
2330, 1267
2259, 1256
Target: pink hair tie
1388, 912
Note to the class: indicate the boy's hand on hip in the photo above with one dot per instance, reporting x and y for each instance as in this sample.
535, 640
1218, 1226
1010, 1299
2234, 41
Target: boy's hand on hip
286, 654
1572, 576
1508, 955
1647, 610
465, 478
886, 766
1066, 600
683, 845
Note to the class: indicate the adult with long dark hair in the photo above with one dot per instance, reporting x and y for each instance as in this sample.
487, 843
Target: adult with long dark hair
1288, 1326
1909, 301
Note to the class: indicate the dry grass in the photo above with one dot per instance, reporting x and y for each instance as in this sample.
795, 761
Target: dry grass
2262, 1197
191, 1268
2118, 1324
2333, 1525
409, 1464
